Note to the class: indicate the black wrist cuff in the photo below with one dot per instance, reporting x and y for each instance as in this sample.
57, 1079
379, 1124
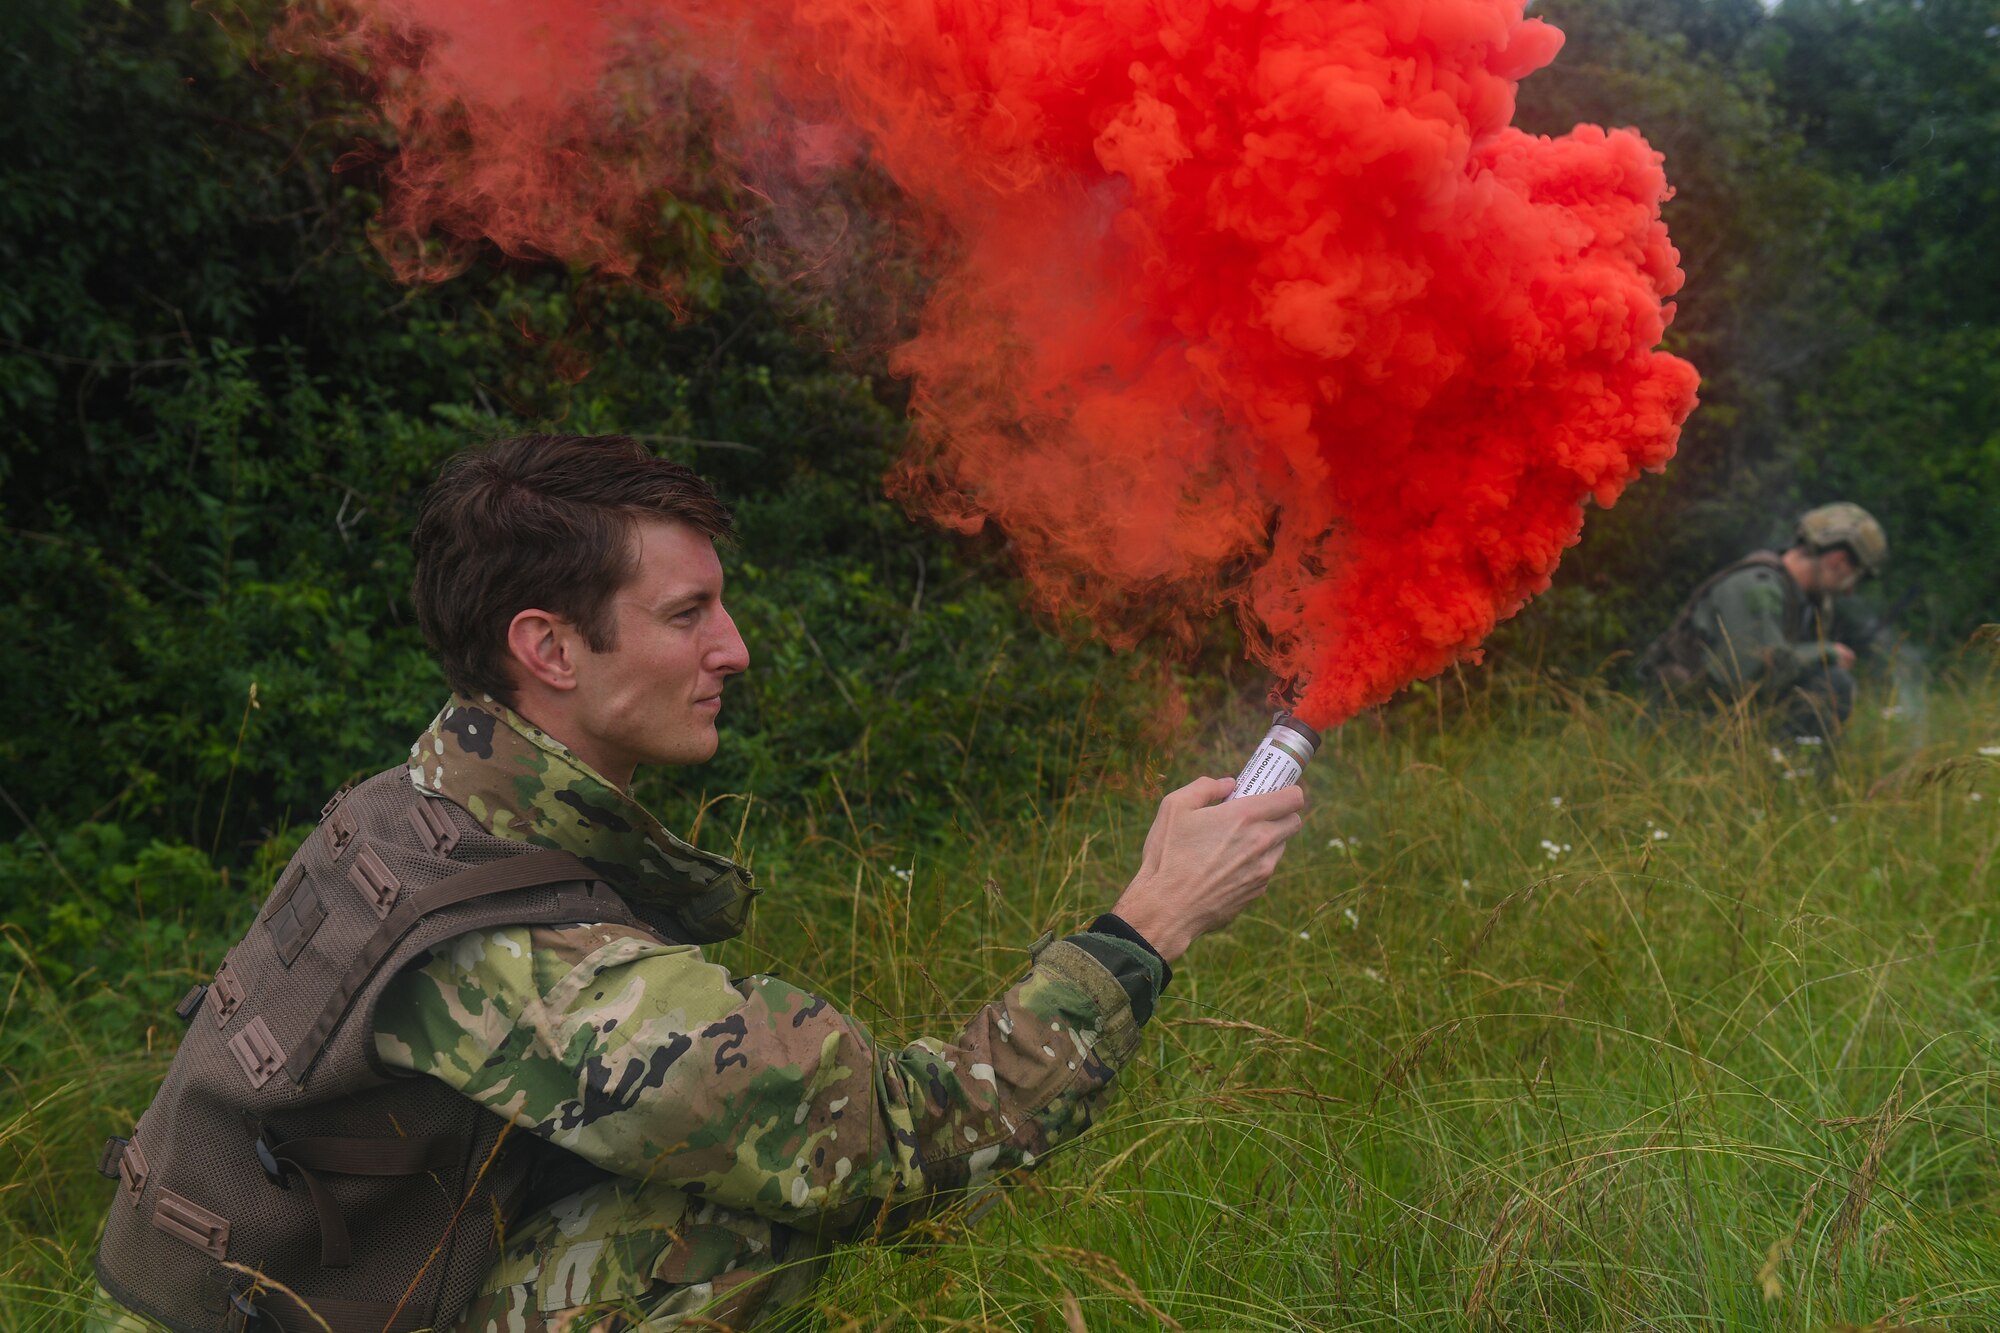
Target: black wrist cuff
1119, 928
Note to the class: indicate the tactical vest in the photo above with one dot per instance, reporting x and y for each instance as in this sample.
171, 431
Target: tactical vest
280, 1163
1678, 659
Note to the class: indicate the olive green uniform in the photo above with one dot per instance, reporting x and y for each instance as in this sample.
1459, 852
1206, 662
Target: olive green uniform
1751, 632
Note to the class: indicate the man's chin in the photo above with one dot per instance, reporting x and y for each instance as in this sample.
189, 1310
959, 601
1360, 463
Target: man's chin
697, 746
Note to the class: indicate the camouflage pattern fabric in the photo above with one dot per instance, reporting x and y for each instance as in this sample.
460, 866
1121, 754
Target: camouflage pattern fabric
106, 1315
750, 1125
1749, 641
519, 782
626, 1255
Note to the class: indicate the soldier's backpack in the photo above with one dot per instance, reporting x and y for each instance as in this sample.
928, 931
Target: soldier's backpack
280, 1164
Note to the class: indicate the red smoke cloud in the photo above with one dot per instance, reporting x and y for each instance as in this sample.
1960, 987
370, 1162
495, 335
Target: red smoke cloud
1257, 304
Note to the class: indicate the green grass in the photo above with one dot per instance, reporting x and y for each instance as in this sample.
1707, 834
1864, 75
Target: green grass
1742, 1075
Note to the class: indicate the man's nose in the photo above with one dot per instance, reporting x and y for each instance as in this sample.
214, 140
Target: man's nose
727, 653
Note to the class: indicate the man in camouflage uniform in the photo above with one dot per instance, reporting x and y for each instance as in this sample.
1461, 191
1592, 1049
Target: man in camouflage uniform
723, 1133
1762, 628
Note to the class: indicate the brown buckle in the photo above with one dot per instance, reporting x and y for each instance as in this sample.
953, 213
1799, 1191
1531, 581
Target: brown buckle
132, 1167
258, 1052
372, 878
190, 1003
333, 801
340, 830
434, 826
265, 1147
228, 993
293, 923
186, 1220
245, 1317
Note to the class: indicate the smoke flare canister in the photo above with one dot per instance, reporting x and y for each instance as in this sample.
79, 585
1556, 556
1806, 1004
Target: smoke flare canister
1279, 758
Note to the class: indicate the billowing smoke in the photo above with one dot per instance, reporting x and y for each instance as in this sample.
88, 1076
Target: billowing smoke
1257, 305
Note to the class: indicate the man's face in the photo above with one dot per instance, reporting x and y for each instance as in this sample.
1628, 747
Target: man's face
653, 698
1838, 572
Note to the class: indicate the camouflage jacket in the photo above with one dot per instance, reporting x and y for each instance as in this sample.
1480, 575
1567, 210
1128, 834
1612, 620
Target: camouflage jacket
1748, 630
746, 1124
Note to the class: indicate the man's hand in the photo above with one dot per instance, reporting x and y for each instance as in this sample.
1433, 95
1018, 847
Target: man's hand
1206, 860
1843, 657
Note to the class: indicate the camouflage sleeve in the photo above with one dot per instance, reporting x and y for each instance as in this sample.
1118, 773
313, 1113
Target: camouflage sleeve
1744, 626
650, 1061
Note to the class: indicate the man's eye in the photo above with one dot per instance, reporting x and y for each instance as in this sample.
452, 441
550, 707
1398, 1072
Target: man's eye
683, 617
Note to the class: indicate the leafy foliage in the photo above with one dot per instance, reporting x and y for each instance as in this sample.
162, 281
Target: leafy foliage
220, 415
1834, 189
220, 411
1900, 100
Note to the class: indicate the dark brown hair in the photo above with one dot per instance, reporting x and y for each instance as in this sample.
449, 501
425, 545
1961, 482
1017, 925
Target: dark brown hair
539, 521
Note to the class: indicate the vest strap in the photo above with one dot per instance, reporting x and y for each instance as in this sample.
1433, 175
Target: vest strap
310, 1158
258, 1310
531, 870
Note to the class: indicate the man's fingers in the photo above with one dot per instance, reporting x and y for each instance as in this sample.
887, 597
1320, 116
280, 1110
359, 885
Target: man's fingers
1273, 837
1280, 804
1201, 792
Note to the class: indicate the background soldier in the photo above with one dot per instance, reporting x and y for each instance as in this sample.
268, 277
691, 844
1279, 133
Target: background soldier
1763, 627
471, 1068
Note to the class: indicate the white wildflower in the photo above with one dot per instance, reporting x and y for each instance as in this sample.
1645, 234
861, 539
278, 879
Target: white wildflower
1659, 835
1978, 796
1990, 751
1555, 802
1336, 842
1372, 975
1305, 934
1353, 918
1777, 755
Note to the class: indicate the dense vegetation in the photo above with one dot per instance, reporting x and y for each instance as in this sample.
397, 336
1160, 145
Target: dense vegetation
218, 410
1834, 208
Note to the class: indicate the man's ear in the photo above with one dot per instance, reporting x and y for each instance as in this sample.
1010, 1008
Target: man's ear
541, 644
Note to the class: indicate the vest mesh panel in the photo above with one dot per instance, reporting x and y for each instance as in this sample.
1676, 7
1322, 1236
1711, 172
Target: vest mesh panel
420, 1241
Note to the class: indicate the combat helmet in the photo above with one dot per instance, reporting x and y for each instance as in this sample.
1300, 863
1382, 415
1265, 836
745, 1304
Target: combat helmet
1848, 525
